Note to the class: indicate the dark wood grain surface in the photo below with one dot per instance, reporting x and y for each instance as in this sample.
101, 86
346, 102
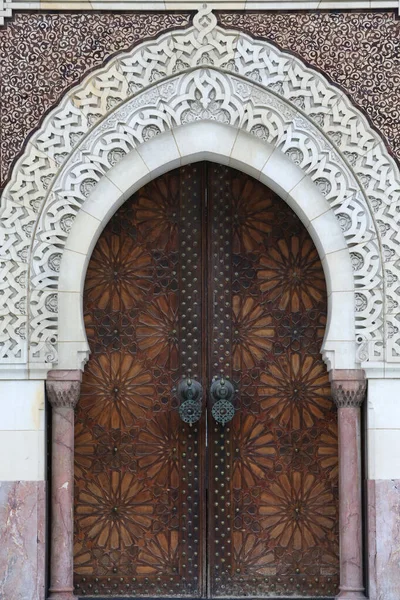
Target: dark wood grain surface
205, 272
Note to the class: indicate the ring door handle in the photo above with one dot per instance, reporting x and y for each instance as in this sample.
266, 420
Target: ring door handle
222, 392
190, 393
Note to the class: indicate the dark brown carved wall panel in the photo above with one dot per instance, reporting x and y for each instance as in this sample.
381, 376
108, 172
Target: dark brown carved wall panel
42, 55
206, 274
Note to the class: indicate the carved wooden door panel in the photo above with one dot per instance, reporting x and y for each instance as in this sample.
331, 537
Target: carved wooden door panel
274, 488
139, 492
205, 278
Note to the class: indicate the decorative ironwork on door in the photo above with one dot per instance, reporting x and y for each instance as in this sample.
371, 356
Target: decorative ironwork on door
206, 443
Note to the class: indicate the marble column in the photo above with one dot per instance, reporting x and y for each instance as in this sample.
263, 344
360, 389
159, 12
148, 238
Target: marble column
63, 388
348, 392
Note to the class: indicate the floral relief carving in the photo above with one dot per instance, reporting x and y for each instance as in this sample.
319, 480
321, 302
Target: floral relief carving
96, 446
296, 396
253, 332
160, 555
110, 384
295, 268
120, 275
252, 219
321, 39
328, 450
298, 510
252, 98
249, 553
114, 510
156, 215
155, 449
257, 452
157, 331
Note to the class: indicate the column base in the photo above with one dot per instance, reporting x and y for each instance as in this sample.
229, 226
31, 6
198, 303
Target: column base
347, 593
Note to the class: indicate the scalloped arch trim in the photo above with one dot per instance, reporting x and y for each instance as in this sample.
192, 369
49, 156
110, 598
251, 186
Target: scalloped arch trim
204, 73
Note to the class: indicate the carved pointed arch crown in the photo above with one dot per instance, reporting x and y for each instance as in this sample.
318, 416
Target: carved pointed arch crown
204, 73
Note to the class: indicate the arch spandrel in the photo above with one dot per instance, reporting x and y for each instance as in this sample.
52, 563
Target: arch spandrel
207, 74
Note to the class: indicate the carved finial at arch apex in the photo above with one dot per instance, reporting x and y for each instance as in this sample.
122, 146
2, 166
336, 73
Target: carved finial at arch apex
204, 21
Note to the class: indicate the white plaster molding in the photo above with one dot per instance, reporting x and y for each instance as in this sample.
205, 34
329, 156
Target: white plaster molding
7, 6
205, 74
186, 144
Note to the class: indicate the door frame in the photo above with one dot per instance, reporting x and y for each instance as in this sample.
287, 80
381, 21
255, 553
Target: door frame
327, 124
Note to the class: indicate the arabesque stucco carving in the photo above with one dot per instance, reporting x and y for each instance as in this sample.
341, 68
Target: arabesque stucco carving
202, 73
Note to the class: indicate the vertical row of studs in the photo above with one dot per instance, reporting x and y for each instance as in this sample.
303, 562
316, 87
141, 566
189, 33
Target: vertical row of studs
221, 365
190, 350
190, 342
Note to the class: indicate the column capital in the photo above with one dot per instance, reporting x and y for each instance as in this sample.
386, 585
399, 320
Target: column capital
348, 387
63, 388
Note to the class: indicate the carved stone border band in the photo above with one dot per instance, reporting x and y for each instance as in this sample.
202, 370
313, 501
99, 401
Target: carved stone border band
7, 6
201, 73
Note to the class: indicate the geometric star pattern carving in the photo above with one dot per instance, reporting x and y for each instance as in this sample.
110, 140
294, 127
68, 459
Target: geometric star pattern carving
272, 500
284, 446
128, 438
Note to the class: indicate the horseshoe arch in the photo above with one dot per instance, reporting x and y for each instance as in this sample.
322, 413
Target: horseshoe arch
140, 110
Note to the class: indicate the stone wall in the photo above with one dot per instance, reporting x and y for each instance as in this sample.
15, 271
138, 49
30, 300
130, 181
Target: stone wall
22, 548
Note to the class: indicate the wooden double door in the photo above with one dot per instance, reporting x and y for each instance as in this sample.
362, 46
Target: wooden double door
206, 441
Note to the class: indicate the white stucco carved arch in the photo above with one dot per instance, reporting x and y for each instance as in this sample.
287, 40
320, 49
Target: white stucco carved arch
210, 75
223, 144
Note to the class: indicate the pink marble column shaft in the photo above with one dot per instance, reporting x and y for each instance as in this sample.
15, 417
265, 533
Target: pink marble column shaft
63, 388
348, 391
22, 535
384, 539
